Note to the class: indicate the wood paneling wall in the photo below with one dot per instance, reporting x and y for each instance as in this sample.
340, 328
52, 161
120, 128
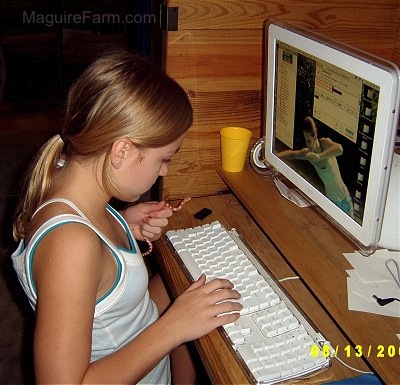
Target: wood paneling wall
216, 55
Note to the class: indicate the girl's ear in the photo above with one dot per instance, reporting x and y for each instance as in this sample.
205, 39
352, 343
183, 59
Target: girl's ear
120, 150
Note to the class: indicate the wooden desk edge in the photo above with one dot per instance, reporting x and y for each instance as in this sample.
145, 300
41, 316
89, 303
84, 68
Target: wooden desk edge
385, 367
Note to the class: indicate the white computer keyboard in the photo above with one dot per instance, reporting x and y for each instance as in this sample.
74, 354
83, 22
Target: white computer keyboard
272, 338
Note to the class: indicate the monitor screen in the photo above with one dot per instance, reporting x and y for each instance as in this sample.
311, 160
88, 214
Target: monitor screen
331, 121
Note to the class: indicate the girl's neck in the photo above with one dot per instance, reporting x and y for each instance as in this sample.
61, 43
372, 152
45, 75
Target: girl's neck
316, 147
82, 184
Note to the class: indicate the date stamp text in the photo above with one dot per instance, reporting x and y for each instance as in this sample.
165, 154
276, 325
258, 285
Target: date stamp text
379, 351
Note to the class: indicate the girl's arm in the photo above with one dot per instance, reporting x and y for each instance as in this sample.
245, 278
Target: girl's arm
329, 150
195, 313
68, 276
72, 269
294, 154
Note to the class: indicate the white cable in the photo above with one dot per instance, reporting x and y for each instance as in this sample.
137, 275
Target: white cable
334, 355
288, 278
396, 265
350, 367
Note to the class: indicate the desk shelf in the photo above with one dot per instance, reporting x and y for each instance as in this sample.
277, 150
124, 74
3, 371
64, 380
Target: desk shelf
218, 359
314, 248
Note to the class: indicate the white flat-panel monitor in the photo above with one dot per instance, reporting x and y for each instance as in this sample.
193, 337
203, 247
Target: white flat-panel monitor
331, 116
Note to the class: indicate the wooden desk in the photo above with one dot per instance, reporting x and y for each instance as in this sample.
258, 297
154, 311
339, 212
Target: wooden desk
220, 362
314, 249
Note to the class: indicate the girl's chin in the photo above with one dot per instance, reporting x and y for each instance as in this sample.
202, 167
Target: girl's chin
134, 199
127, 199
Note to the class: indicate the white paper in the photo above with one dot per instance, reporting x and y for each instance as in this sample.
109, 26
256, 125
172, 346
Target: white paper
357, 301
370, 277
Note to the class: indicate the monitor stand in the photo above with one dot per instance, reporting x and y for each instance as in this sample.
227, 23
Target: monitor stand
263, 168
390, 238
291, 194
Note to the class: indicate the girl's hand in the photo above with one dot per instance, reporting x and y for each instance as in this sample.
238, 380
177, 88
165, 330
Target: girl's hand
146, 220
313, 157
202, 308
304, 151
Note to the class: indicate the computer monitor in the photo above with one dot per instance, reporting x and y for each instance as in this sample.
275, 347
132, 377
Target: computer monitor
331, 116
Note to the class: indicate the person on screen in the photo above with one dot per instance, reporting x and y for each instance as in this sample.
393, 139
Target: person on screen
322, 153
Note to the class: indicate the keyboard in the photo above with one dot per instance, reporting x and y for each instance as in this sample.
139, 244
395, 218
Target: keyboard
272, 339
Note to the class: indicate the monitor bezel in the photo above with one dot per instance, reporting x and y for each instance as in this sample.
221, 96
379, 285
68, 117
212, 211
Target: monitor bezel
383, 73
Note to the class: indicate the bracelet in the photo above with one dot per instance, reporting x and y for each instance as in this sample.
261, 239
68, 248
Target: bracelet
174, 209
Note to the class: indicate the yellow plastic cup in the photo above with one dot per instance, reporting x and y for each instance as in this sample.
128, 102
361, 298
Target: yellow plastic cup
234, 145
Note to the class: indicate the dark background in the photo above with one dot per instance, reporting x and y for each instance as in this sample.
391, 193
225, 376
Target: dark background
37, 65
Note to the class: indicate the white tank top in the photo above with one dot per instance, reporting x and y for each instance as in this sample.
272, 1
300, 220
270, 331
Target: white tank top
335, 188
124, 311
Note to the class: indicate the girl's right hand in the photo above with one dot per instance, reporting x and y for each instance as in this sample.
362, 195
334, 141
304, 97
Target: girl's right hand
202, 308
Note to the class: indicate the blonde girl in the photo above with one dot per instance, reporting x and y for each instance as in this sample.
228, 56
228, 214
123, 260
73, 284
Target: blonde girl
99, 320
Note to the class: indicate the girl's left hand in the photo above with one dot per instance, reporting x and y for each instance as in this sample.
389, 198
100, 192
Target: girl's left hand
313, 157
147, 220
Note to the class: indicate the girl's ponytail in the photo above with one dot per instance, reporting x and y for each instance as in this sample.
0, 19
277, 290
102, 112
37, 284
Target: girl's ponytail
37, 184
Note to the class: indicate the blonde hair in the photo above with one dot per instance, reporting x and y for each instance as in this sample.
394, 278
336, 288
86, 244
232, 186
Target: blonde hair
119, 95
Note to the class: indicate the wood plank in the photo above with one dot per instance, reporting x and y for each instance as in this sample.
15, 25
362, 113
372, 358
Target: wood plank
216, 110
212, 84
396, 49
193, 173
216, 54
237, 14
192, 170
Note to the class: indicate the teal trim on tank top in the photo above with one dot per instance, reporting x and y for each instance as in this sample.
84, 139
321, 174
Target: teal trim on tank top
127, 230
32, 252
